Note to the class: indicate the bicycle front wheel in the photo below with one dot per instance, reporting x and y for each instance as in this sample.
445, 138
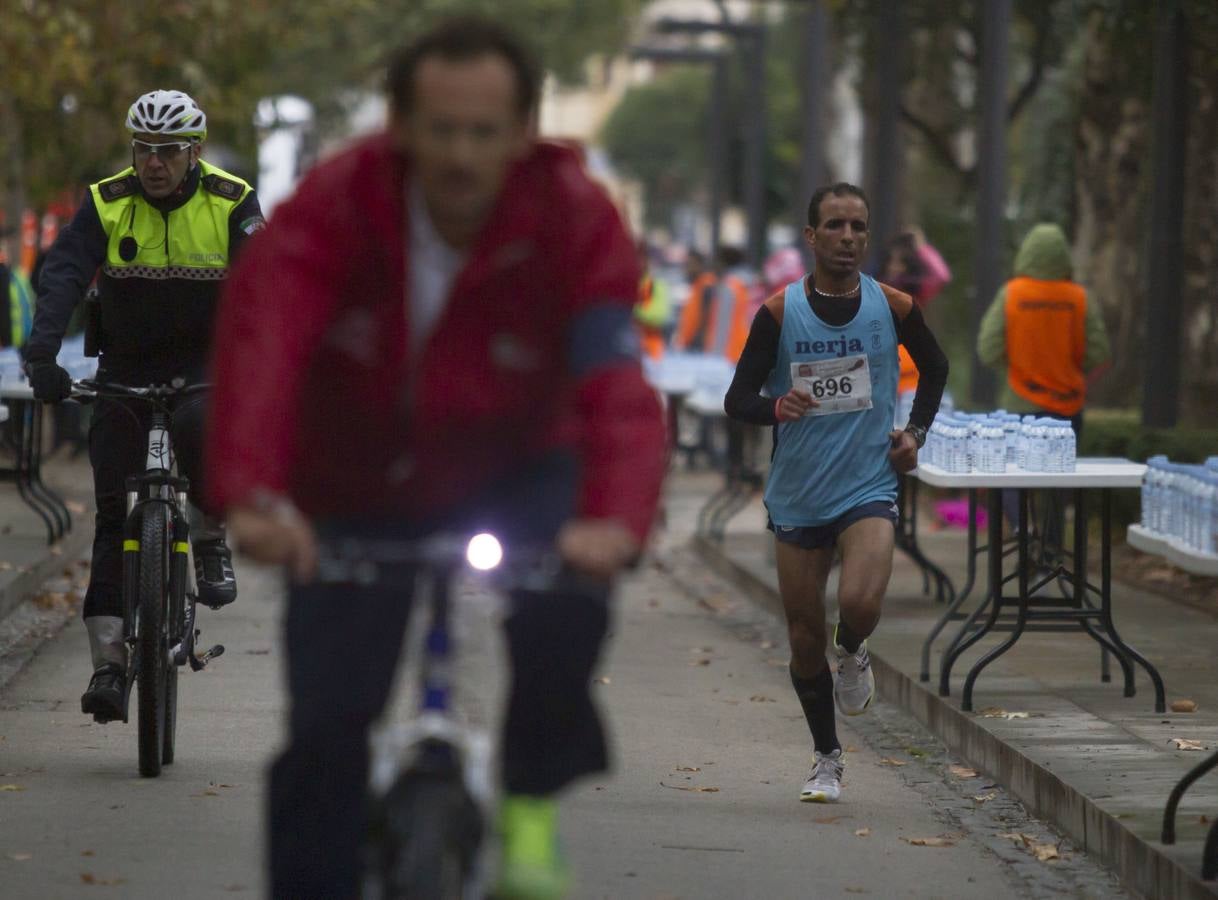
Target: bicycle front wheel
425, 838
153, 637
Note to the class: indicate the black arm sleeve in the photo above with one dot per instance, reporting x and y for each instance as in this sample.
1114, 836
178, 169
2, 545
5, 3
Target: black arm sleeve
243, 223
924, 350
744, 401
70, 265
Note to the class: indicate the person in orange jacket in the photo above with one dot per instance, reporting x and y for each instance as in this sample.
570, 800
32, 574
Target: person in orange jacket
715, 318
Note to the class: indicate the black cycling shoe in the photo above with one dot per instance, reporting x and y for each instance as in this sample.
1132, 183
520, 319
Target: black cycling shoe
104, 696
214, 574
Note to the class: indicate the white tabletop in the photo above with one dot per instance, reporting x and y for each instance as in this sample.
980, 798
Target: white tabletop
16, 390
1088, 473
1173, 551
682, 373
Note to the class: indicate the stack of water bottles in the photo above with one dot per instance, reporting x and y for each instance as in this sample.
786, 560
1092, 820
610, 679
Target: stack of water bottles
995, 442
1180, 502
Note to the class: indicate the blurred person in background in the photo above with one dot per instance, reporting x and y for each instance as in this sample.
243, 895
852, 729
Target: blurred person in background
912, 265
653, 310
715, 317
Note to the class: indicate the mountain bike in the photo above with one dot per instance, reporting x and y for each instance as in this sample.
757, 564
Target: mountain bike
430, 779
158, 600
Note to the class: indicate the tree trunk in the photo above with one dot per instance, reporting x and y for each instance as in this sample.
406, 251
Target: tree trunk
1112, 147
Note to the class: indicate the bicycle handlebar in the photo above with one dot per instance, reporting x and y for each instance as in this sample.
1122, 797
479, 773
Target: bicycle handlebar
368, 561
88, 389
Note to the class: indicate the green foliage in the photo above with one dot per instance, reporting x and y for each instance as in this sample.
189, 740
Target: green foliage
657, 134
1120, 433
227, 54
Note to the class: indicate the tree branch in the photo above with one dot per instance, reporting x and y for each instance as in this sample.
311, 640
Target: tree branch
1040, 52
936, 141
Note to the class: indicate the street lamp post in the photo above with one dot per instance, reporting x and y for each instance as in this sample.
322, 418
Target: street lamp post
752, 39
715, 137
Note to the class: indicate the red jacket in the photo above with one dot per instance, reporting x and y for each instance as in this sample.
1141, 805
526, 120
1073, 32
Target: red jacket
318, 396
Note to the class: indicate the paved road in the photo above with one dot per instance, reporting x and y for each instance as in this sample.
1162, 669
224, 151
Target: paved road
697, 691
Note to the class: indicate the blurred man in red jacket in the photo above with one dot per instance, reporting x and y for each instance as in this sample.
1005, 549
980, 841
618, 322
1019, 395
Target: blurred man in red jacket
435, 332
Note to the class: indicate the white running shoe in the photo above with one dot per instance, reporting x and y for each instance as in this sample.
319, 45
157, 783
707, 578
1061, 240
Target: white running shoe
824, 785
854, 686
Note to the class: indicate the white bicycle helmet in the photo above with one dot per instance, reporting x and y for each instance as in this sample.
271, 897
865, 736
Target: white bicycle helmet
167, 112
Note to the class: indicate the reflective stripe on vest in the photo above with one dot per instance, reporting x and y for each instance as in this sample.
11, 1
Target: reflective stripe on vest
1046, 336
191, 243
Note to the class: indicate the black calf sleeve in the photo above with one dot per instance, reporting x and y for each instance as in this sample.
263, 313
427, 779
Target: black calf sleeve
847, 639
816, 697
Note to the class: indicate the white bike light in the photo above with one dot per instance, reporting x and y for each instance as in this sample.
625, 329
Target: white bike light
484, 552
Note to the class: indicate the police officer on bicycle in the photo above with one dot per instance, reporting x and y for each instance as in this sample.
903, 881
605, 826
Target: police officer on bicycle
162, 232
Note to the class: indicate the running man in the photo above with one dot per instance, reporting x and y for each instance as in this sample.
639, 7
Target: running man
820, 364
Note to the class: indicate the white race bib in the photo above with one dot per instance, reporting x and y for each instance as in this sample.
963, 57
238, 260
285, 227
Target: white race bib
838, 385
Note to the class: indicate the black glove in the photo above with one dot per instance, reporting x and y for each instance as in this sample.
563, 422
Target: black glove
50, 381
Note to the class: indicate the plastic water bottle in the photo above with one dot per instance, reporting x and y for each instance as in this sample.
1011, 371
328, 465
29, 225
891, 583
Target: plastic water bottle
1206, 498
959, 448
993, 457
1212, 547
1025, 437
1034, 455
1150, 494
1168, 515
1069, 448
1010, 427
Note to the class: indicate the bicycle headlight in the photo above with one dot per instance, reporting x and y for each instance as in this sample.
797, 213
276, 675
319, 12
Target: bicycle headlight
484, 552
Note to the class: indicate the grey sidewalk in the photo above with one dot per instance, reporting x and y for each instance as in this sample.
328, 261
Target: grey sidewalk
26, 561
1098, 765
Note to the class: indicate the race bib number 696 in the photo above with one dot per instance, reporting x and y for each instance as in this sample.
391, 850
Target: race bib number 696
837, 385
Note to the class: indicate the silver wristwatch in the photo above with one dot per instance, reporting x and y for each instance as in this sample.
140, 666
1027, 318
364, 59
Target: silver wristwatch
919, 434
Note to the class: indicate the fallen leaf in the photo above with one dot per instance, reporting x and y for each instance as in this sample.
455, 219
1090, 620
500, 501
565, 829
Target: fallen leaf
90, 878
768, 645
689, 768
930, 842
1026, 839
694, 789
87, 853
1045, 852
1016, 715
5, 566
11, 787
1183, 706
20, 857
862, 832
962, 771
761, 698
829, 820
915, 752
1204, 820
207, 793
75, 507
700, 662
604, 679
1186, 744
701, 649
850, 748
986, 798
774, 661
889, 761
259, 651
856, 890
992, 712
